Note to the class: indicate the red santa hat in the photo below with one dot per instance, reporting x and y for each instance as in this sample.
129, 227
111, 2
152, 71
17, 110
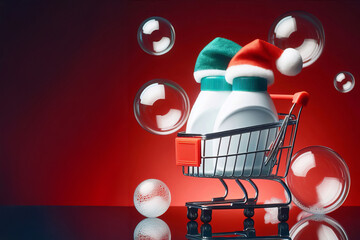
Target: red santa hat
258, 58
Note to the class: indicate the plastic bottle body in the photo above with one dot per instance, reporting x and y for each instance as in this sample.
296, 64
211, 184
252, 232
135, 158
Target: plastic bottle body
244, 109
201, 121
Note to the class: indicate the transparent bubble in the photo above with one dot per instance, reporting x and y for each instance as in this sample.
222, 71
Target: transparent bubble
319, 179
344, 82
156, 36
152, 229
299, 30
161, 107
318, 227
152, 198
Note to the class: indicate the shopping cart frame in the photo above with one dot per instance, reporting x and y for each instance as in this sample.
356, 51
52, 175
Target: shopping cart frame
190, 154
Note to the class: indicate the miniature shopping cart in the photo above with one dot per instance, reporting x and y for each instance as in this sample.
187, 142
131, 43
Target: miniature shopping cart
257, 152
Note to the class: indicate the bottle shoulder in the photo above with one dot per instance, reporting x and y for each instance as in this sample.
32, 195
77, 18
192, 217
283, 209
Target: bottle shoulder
205, 111
240, 100
208, 100
245, 109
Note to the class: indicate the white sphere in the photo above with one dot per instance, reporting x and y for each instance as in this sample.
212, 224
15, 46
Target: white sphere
152, 229
152, 198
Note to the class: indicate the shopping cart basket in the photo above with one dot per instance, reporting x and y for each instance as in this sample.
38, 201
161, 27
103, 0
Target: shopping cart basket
261, 152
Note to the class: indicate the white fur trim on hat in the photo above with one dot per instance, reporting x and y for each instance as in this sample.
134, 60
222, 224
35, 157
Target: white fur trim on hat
290, 62
246, 70
198, 75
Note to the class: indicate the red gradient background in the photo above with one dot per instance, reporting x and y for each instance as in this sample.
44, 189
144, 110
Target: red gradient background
69, 73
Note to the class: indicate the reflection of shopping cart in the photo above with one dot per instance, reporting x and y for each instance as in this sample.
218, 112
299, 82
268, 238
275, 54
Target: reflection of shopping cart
248, 232
267, 155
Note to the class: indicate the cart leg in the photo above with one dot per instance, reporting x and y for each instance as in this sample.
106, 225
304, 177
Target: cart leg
283, 214
206, 215
192, 213
287, 190
206, 230
245, 199
255, 188
283, 229
192, 228
226, 191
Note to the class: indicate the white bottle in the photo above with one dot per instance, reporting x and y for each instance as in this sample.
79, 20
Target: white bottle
250, 71
210, 72
205, 110
244, 108
202, 118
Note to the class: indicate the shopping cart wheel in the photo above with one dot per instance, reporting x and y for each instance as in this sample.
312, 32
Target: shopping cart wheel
249, 212
283, 214
205, 215
192, 213
283, 229
192, 228
248, 223
206, 230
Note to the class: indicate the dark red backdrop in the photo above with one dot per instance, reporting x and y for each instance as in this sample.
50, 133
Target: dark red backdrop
70, 71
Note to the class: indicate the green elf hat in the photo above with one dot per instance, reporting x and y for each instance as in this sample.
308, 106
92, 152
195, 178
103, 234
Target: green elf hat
212, 63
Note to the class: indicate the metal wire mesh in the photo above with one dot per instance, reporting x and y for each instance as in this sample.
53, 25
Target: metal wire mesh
244, 153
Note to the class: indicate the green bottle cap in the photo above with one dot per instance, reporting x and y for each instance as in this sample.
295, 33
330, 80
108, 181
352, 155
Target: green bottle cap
249, 84
215, 83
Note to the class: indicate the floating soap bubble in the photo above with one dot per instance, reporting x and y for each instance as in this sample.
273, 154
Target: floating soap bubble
319, 179
318, 227
344, 82
152, 229
152, 198
156, 36
161, 107
299, 30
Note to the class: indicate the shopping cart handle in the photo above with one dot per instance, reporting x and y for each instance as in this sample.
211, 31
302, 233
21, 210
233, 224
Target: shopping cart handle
301, 98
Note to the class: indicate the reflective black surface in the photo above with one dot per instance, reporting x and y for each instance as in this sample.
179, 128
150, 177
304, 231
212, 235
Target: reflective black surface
67, 222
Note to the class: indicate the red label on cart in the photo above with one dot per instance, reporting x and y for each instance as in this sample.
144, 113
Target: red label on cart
188, 151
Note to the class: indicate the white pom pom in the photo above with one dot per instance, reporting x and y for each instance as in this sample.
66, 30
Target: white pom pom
290, 62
